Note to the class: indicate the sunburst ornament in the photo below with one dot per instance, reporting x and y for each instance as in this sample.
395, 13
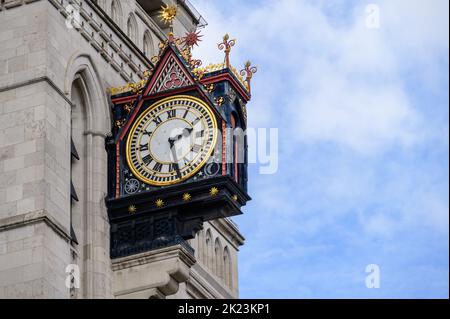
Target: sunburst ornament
187, 197
213, 191
159, 203
132, 209
192, 38
168, 13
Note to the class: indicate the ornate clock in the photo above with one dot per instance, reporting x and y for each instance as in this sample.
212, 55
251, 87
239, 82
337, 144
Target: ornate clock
172, 156
171, 140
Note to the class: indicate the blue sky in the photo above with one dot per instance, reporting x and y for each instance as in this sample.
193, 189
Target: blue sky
363, 120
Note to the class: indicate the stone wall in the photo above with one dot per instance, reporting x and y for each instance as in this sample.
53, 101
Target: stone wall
42, 55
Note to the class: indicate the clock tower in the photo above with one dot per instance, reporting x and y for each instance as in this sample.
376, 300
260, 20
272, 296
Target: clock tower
177, 158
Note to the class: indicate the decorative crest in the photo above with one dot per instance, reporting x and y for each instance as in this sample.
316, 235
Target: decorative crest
248, 72
226, 45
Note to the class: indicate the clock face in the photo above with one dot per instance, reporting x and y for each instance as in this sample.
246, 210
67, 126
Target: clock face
171, 140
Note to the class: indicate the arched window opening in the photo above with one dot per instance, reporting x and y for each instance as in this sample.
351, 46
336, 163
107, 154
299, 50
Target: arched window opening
148, 45
218, 266
116, 12
227, 268
209, 250
78, 144
78, 171
132, 28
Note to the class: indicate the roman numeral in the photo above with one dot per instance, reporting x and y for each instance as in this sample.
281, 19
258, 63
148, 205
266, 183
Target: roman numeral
200, 134
176, 168
158, 167
171, 114
147, 133
143, 147
157, 120
195, 121
147, 159
185, 114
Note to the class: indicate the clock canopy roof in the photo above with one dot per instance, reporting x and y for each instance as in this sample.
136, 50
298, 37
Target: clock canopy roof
176, 72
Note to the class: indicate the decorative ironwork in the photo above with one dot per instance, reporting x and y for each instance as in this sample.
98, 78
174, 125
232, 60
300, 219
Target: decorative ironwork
248, 72
220, 100
212, 169
192, 38
131, 186
226, 45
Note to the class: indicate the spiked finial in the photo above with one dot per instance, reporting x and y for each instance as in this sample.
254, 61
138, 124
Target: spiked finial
226, 45
168, 13
192, 38
248, 72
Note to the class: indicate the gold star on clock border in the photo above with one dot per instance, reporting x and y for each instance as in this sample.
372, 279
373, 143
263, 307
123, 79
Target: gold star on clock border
213, 191
132, 209
159, 203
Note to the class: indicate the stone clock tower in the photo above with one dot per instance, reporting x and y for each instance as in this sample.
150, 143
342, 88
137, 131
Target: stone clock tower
119, 169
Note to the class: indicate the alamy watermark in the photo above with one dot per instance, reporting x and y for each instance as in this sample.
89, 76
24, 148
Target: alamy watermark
73, 277
373, 16
261, 145
73, 19
373, 279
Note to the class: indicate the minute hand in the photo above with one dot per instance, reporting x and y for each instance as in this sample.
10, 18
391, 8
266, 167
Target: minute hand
175, 160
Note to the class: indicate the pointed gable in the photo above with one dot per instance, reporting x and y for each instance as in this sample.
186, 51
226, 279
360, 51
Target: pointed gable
170, 74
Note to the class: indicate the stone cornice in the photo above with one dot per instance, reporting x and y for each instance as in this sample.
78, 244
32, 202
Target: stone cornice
232, 234
34, 81
154, 256
35, 217
153, 274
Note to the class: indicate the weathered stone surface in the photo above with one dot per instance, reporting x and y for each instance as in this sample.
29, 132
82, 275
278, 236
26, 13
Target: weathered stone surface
40, 60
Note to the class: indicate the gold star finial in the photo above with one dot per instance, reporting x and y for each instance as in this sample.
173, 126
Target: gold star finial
132, 209
235, 198
213, 191
168, 13
187, 197
159, 203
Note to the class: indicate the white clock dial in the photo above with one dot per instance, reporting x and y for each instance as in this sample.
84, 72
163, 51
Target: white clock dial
171, 140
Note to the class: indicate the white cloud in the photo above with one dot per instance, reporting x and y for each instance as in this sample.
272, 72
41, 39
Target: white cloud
336, 84
356, 172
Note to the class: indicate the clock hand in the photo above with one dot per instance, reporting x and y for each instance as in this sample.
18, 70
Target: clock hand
175, 162
186, 133
188, 130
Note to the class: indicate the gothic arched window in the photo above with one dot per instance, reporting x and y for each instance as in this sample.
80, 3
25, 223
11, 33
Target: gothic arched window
208, 250
148, 45
116, 12
227, 268
132, 28
218, 267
